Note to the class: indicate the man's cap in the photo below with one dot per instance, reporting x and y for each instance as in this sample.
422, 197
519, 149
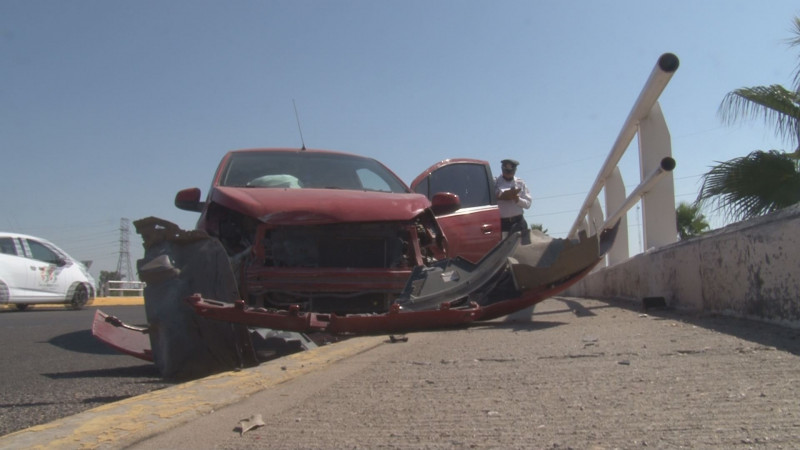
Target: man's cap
513, 162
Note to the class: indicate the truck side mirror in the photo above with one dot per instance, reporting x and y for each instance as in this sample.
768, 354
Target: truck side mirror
189, 200
445, 203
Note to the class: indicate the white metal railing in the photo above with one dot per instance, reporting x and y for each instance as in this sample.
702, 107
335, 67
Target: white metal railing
122, 288
655, 161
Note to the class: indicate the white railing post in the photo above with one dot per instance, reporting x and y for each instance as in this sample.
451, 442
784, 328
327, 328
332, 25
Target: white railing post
658, 204
615, 196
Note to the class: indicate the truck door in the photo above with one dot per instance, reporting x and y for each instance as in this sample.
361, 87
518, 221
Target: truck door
474, 228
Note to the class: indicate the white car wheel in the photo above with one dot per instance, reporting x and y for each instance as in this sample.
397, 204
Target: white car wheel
80, 297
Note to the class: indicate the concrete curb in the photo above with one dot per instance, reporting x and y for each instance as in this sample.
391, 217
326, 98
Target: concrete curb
126, 422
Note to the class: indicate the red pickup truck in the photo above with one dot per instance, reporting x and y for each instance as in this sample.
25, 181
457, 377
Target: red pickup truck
313, 241
340, 233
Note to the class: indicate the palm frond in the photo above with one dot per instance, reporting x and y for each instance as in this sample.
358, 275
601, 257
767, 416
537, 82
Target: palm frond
793, 42
752, 185
776, 105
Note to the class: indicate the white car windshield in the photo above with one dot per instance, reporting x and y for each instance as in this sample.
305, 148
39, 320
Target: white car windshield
308, 170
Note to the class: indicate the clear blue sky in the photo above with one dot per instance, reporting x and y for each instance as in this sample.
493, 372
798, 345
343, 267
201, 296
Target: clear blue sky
108, 108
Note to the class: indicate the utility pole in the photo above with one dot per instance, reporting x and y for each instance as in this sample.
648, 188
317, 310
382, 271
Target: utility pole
124, 268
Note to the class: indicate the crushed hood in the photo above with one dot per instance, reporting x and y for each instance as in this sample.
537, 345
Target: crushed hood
317, 206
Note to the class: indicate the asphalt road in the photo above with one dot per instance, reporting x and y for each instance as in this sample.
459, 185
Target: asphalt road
572, 373
53, 367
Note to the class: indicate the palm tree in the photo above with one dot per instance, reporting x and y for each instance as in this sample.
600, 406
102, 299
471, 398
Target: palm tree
763, 181
689, 220
540, 227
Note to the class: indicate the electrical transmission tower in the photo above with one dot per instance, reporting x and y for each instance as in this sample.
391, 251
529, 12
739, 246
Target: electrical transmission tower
124, 263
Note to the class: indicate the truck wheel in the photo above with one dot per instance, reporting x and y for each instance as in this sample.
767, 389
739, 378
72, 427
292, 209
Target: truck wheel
176, 265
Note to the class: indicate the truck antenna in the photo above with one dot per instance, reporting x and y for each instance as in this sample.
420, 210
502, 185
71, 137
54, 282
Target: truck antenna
296, 116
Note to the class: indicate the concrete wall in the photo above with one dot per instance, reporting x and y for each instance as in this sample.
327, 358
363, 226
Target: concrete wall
749, 269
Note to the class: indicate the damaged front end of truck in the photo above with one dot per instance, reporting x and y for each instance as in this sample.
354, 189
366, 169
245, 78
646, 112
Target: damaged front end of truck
199, 323
296, 248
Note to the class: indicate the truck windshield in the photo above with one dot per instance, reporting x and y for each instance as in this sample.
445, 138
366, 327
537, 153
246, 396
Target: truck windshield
308, 170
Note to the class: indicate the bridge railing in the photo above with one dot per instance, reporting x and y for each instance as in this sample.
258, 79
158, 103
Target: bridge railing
656, 188
125, 288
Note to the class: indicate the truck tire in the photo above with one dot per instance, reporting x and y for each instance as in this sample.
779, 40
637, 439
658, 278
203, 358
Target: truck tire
176, 265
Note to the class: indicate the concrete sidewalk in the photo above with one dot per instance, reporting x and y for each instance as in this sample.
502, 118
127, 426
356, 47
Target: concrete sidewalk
582, 373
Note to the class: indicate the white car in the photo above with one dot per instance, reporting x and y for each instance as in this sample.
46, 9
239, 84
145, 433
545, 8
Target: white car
34, 271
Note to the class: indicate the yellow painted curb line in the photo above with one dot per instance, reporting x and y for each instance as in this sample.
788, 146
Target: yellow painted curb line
126, 422
98, 301
117, 301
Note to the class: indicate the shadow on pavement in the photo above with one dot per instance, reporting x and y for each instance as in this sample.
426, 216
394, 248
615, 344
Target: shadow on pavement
518, 325
26, 405
763, 333
35, 309
141, 371
82, 342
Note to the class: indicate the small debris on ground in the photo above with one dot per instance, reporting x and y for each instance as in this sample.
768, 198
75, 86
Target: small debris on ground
248, 424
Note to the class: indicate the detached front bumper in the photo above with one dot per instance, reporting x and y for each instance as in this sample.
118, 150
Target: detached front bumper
198, 324
396, 320
453, 292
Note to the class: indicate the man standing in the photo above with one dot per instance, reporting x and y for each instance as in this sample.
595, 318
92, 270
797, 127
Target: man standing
512, 197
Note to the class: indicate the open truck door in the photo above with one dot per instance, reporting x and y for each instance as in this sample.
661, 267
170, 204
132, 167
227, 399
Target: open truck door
472, 224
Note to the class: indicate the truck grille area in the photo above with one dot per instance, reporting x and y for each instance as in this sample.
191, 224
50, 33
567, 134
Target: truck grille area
337, 246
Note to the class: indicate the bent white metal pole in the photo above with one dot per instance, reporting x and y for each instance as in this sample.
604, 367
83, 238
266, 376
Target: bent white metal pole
666, 166
659, 77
